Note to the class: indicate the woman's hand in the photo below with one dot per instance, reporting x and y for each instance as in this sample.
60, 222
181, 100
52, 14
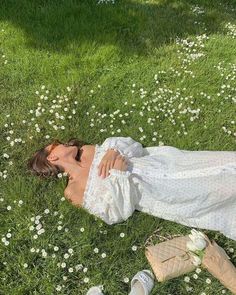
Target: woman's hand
120, 163
107, 163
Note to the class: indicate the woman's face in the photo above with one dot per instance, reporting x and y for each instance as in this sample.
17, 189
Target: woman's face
60, 151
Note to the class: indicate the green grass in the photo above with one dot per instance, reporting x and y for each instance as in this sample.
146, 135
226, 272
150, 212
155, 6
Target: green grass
81, 44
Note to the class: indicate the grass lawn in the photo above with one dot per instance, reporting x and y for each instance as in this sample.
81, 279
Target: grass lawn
162, 72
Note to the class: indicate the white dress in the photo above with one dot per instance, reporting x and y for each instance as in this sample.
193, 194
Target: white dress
193, 188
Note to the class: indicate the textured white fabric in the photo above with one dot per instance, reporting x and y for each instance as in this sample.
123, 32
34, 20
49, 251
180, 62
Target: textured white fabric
125, 145
193, 188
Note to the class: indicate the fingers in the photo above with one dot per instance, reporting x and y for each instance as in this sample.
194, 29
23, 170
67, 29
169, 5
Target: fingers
107, 170
112, 163
104, 168
121, 163
103, 171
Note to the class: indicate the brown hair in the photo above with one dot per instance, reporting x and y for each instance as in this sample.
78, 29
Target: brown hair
39, 165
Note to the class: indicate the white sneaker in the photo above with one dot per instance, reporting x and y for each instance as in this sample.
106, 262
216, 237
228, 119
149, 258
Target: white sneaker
95, 291
142, 283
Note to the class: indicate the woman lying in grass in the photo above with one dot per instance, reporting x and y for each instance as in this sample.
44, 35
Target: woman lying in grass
112, 180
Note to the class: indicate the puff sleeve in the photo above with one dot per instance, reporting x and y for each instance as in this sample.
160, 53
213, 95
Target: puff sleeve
127, 146
120, 198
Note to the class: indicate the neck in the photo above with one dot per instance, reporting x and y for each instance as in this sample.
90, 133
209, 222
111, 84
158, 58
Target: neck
73, 170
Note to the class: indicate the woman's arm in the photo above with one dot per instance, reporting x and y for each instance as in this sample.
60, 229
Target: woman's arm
121, 197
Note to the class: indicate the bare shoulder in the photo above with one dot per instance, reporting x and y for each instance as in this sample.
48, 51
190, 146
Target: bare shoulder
75, 194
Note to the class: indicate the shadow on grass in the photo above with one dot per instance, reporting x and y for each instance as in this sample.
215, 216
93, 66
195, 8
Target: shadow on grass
134, 26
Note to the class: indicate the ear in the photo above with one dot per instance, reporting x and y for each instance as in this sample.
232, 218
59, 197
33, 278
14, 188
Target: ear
52, 158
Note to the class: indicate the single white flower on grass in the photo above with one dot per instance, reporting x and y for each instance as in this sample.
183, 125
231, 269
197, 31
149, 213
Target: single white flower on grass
70, 250
134, 248
186, 279
104, 255
58, 288
198, 270
231, 250
195, 276
66, 255
208, 281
